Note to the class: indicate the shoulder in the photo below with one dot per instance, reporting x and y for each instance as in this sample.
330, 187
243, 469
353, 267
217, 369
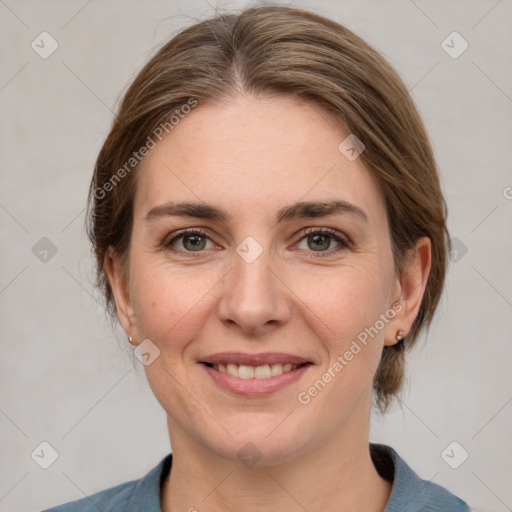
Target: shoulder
133, 496
112, 499
410, 493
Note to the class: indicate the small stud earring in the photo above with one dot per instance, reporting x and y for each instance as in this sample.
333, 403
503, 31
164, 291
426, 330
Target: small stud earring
130, 339
400, 335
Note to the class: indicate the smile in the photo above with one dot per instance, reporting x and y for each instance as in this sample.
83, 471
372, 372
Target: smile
254, 374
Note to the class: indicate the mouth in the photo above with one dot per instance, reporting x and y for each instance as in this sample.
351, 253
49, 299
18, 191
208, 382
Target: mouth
264, 371
254, 374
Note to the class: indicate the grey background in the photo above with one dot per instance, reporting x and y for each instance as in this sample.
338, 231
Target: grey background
68, 378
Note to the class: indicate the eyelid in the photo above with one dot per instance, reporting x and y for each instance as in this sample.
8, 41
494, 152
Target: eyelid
342, 239
175, 235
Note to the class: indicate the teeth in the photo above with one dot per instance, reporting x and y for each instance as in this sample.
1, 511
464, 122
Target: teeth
254, 372
276, 369
232, 369
246, 372
262, 372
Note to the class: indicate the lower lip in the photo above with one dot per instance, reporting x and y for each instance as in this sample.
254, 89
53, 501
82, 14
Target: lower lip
255, 387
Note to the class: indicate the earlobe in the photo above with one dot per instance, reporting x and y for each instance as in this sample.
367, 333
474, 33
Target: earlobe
412, 285
117, 278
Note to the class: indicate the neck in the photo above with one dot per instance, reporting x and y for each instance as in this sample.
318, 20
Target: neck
332, 476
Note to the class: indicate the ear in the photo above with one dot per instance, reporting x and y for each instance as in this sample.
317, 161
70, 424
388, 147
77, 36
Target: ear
118, 279
410, 287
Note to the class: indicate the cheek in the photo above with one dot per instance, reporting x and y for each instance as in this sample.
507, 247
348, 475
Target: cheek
169, 303
346, 310
348, 300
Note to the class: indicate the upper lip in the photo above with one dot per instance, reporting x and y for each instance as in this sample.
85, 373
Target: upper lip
240, 358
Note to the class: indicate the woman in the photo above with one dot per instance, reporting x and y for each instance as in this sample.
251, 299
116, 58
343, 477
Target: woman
270, 231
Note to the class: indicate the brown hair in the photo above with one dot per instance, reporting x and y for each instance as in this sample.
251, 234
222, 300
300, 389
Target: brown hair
277, 50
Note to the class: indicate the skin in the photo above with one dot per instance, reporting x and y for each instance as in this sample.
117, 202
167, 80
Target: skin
252, 157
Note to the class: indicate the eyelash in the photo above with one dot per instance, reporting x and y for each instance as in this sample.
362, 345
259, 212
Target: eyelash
344, 242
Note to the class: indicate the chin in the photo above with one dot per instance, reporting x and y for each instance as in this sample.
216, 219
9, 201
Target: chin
257, 440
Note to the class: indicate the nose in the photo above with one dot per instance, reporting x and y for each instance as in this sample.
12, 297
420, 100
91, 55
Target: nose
255, 298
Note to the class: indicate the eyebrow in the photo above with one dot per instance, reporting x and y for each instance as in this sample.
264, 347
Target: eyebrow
300, 210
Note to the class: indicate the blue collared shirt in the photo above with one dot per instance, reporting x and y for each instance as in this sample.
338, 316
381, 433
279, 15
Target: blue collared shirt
409, 493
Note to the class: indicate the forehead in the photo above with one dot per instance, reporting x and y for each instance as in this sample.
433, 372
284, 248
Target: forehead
255, 155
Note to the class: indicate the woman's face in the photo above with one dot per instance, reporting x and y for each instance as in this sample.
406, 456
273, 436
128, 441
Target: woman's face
277, 281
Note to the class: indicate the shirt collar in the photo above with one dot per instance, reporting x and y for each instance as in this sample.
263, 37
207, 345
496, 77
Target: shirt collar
407, 485
146, 494
409, 491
